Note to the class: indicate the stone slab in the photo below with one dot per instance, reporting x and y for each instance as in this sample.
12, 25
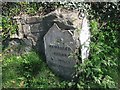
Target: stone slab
60, 48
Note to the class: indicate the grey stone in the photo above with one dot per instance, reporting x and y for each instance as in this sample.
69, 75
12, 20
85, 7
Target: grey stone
60, 48
35, 27
14, 46
27, 45
33, 20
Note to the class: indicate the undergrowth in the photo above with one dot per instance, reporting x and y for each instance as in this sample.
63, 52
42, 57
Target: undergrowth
28, 70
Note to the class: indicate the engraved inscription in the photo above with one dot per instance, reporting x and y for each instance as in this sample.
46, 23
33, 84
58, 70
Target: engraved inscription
59, 47
60, 61
59, 65
60, 54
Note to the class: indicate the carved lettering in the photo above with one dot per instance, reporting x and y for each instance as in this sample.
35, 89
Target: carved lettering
60, 54
59, 47
64, 61
58, 65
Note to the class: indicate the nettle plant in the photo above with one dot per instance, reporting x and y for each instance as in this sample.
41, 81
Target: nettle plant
100, 70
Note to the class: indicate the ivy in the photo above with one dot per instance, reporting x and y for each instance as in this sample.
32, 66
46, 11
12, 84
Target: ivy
101, 70
97, 71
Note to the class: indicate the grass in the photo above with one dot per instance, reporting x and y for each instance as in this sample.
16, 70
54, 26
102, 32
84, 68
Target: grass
28, 70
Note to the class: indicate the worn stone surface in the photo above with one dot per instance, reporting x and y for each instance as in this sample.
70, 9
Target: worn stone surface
35, 27
17, 46
60, 48
85, 39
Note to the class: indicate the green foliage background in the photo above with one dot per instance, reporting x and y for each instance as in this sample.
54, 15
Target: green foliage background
101, 70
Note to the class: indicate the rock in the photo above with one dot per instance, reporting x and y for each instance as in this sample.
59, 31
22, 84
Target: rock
85, 39
61, 47
35, 27
14, 46
17, 46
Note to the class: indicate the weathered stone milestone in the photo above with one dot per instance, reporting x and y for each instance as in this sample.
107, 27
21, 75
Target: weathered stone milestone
60, 47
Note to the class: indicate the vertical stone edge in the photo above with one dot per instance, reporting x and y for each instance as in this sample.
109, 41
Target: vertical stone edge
85, 39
